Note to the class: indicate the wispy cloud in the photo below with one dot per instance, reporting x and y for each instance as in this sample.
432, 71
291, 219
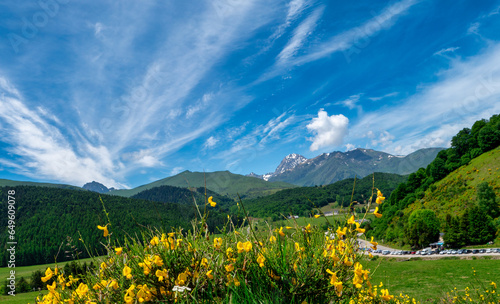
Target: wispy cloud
447, 50
350, 103
42, 151
377, 98
260, 139
300, 34
347, 39
474, 28
210, 142
468, 91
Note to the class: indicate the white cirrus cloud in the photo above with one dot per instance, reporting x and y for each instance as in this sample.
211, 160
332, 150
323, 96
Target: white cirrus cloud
300, 35
43, 151
446, 50
328, 130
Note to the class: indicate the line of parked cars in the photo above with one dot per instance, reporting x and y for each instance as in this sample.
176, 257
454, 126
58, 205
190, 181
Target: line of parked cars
429, 251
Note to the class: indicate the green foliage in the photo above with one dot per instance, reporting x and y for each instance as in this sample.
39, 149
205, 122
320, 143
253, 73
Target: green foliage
178, 195
453, 236
300, 200
423, 228
488, 201
481, 228
435, 188
46, 217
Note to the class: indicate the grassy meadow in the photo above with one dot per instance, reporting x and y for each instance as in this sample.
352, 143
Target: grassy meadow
429, 280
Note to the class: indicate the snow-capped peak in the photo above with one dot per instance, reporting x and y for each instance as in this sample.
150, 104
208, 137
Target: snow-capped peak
289, 162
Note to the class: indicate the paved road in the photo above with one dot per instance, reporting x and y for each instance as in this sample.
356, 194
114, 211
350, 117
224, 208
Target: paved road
366, 244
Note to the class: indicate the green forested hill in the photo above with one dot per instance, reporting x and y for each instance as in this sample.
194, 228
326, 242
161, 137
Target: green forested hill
46, 217
459, 188
222, 182
301, 200
170, 194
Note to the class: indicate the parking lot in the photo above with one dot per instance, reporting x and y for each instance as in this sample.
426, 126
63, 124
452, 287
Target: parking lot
385, 251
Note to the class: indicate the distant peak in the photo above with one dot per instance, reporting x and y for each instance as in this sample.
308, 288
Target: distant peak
96, 187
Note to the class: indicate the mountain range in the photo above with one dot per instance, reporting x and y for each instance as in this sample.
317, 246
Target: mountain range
328, 168
294, 170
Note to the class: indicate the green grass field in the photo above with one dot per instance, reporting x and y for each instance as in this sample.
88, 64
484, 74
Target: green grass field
25, 271
428, 280
22, 298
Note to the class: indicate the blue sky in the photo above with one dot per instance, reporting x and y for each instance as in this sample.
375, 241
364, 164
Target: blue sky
128, 92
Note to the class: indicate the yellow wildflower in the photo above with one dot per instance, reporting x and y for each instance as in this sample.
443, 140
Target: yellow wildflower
261, 260
209, 274
281, 232
240, 247
181, 279
161, 274
333, 277
229, 267
158, 261
341, 232
338, 287
317, 215
217, 243
48, 275
104, 229
154, 241
379, 215
385, 295
247, 246
351, 220
211, 202
118, 250
82, 289
204, 262
272, 239
52, 287
127, 272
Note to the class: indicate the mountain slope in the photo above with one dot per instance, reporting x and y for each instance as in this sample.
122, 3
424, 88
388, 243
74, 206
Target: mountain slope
222, 182
458, 190
328, 168
13, 183
96, 187
449, 185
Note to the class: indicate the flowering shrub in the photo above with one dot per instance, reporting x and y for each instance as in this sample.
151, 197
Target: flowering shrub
284, 265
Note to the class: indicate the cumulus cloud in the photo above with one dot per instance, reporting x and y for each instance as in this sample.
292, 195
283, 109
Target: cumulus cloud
327, 130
